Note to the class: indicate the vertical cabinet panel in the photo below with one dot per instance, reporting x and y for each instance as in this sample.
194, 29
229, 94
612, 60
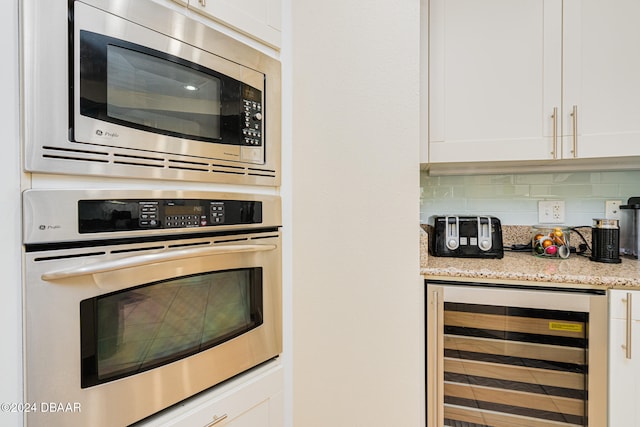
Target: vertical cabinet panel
494, 79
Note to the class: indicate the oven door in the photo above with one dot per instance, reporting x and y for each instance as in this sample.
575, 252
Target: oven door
117, 333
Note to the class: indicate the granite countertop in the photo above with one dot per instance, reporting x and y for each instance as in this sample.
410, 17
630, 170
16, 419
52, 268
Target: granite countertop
524, 267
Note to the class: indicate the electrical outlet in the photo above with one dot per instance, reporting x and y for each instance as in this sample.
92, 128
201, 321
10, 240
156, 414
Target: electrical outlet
551, 211
612, 209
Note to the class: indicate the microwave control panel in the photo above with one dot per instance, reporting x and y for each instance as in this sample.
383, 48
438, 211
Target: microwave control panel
98, 216
252, 116
252, 130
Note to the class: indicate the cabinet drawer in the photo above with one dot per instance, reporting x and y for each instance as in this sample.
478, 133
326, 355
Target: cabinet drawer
244, 401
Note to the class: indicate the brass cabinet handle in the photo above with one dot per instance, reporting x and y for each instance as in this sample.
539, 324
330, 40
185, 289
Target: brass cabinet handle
203, 3
574, 121
554, 116
217, 419
629, 325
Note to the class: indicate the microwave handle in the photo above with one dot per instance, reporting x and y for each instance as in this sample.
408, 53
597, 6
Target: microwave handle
147, 259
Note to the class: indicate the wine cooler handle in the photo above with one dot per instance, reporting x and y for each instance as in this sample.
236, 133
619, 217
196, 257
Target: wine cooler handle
436, 357
629, 325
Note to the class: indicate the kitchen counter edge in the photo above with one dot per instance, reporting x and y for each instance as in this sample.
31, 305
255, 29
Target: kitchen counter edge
525, 269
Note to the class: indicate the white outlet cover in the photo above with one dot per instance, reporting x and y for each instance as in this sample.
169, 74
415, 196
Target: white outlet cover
612, 209
551, 212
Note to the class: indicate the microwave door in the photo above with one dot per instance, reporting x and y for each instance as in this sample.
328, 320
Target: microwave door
138, 89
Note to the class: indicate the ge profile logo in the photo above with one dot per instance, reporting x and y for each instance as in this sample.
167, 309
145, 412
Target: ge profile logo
107, 134
43, 227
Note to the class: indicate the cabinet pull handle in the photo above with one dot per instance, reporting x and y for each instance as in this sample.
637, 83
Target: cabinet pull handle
554, 116
574, 121
629, 325
217, 419
203, 3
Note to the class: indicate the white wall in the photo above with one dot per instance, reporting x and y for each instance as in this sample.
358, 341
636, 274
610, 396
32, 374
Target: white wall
10, 235
356, 291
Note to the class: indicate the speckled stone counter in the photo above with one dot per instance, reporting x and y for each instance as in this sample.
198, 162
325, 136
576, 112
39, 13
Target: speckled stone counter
575, 271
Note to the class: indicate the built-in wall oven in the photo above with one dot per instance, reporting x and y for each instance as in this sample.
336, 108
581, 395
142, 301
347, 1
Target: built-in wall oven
135, 89
136, 300
508, 355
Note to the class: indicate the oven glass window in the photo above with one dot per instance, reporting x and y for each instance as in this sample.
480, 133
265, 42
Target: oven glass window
161, 94
128, 332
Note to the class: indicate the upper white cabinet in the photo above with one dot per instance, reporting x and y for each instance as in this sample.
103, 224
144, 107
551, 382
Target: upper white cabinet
260, 19
601, 78
494, 79
533, 80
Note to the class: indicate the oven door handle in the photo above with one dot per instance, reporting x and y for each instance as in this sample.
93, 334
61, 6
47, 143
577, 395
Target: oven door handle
148, 259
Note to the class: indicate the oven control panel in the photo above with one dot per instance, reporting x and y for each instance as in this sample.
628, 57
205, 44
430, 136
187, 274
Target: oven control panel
98, 216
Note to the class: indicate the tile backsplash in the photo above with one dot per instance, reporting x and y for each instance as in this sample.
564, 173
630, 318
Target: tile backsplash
514, 198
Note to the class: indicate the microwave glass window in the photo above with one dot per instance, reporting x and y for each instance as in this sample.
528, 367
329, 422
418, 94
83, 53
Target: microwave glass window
128, 332
163, 95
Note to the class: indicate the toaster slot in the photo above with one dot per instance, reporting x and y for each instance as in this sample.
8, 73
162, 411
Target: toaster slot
452, 232
484, 233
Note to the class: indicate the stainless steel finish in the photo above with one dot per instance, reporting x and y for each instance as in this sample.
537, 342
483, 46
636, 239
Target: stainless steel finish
554, 116
217, 419
48, 145
605, 223
629, 335
58, 277
438, 293
47, 217
149, 259
574, 122
434, 356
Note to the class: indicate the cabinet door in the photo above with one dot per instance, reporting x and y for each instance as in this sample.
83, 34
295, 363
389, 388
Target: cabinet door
624, 368
495, 79
601, 78
260, 19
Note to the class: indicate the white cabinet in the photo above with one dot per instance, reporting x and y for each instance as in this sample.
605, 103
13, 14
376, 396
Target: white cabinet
494, 79
624, 362
254, 399
260, 19
533, 80
601, 69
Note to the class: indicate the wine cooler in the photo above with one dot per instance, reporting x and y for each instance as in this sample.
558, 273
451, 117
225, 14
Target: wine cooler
515, 356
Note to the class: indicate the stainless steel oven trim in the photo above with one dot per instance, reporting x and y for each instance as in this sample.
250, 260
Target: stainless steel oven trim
51, 215
45, 96
52, 341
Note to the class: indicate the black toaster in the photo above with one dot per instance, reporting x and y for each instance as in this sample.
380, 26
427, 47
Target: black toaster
466, 237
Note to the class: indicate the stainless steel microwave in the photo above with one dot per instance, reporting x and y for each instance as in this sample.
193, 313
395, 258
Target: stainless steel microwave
137, 89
